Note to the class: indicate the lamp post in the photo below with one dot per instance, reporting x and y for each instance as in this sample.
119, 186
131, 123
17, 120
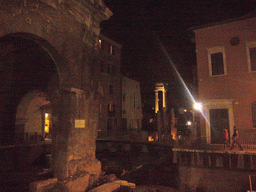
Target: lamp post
196, 107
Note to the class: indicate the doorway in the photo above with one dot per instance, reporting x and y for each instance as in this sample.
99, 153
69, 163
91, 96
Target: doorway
219, 120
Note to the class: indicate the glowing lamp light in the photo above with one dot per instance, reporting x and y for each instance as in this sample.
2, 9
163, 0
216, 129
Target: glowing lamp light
197, 106
189, 123
150, 138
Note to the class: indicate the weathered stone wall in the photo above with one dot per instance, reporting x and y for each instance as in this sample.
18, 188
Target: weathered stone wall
68, 31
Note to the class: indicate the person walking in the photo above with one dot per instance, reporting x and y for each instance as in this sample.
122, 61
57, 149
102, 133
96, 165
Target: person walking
235, 139
225, 138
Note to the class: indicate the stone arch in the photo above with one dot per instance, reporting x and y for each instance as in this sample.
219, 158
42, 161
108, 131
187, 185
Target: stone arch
27, 62
45, 45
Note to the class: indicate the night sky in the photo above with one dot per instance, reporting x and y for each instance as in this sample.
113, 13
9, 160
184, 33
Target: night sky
148, 28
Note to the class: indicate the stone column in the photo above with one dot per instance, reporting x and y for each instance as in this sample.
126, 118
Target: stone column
240, 163
175, 157
164, 124
219, 160
252, 166
159, 125
156, 101
62, 126
74, 139
192, 163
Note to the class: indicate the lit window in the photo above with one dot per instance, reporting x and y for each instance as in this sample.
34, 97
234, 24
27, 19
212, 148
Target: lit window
111, 109
217, 61
99, 43
251, 56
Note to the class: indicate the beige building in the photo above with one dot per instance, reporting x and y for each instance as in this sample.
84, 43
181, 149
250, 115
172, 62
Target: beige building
131, 105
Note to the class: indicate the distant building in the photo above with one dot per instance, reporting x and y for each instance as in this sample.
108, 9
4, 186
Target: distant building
109, 87
226, 65
131, 105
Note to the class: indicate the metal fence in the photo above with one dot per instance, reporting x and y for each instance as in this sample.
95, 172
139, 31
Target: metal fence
248, 144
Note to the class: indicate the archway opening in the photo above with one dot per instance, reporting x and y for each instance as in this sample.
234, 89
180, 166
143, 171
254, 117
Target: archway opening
25, 66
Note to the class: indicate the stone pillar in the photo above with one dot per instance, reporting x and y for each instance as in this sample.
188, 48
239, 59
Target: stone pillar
159, 125
240, 163
61, 132
164, 124
219, 160
192, 163
164, 102
230, 160
156, 101
179, 158
175, 157
209, 159
199, 159
252, 162
74, 141
173, 128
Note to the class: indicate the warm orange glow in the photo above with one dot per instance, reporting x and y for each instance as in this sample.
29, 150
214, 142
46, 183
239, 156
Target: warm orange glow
159, 87
99, 43
46, 123
150, 138
46, 127
185, 110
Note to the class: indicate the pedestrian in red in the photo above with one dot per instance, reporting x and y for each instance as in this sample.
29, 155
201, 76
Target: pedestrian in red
225, 137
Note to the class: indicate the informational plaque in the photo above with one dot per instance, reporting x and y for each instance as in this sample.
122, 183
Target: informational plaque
80, 123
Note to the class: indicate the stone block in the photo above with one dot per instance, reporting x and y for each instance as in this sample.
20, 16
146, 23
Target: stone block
42, 186
92, 167
125, 183
79, 184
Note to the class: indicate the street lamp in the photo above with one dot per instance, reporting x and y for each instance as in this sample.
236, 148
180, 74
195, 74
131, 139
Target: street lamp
197, 106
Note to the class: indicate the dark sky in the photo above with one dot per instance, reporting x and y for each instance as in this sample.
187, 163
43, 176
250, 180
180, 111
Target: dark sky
144, 26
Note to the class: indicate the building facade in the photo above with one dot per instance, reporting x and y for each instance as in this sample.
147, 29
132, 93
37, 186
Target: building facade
131, 106
109, 87
226, 66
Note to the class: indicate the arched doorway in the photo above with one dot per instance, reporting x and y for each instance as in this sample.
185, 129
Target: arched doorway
25, 65
33, 121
